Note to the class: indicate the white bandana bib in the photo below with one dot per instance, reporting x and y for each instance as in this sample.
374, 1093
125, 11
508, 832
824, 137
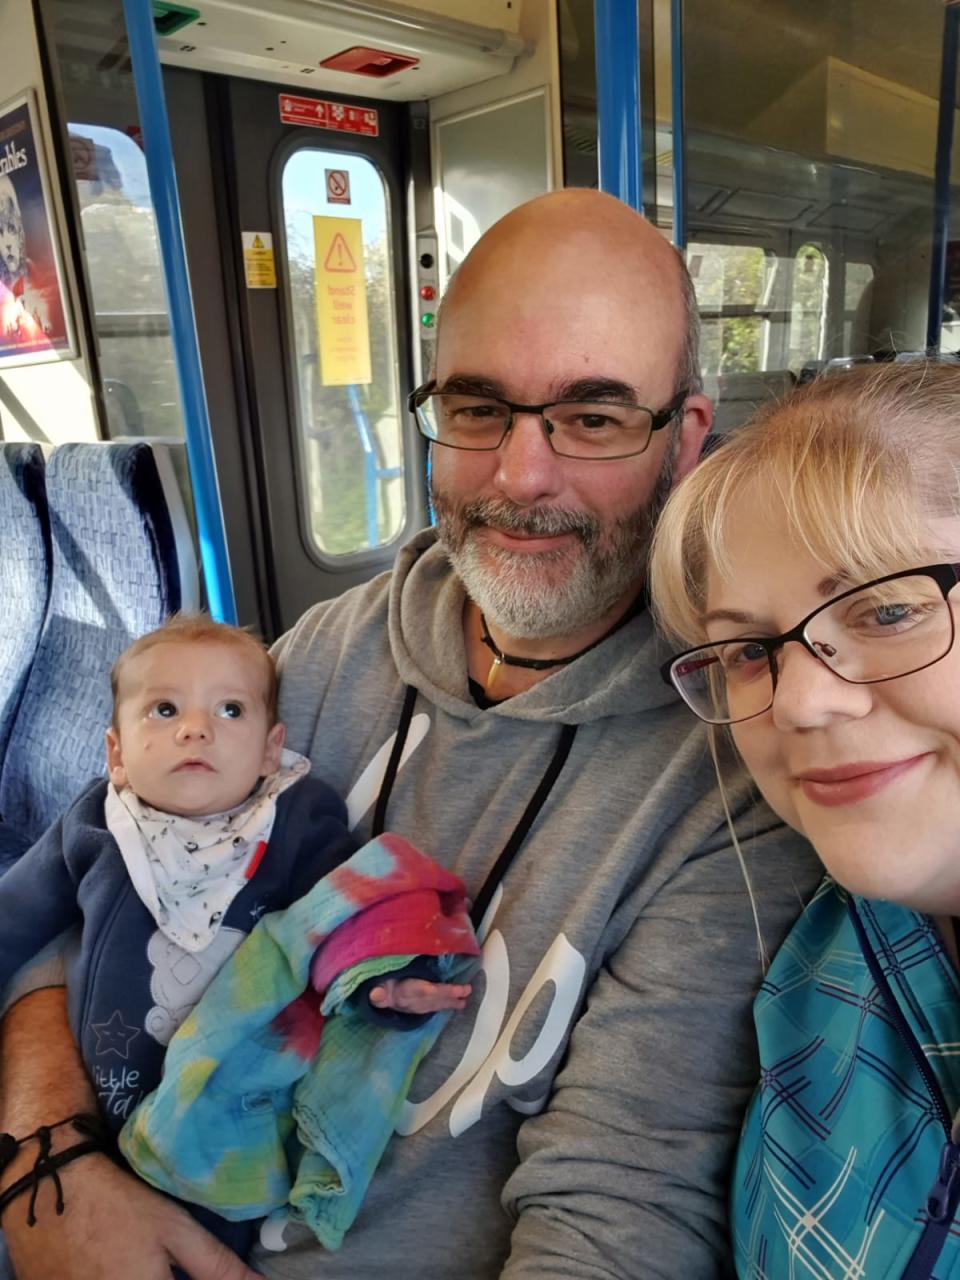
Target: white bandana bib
186, 871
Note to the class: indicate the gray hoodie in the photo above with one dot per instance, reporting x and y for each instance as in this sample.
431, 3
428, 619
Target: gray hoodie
579, 1119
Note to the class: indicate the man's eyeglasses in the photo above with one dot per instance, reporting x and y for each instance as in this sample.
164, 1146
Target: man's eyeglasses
589, 429
880, 631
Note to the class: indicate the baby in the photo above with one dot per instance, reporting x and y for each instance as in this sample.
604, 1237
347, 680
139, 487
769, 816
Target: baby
206, 824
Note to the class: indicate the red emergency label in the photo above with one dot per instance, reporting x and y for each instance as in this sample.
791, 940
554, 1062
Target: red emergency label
317, 113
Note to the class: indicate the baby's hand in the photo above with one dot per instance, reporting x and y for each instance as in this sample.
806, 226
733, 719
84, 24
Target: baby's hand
415, 995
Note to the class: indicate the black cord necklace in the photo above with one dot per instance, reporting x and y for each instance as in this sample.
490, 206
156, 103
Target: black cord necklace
501, 659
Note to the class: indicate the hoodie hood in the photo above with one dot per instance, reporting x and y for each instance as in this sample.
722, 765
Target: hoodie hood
620, 676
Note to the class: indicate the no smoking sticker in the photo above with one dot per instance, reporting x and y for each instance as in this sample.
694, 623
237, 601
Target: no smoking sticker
338, 186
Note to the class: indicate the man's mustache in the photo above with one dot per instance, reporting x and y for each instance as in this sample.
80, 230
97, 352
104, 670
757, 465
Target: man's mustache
537, 521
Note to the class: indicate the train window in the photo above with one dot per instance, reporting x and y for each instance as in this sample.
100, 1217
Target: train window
732, 283
339, 282
832, 144
858, 277
759, 312
808, 302
123, 262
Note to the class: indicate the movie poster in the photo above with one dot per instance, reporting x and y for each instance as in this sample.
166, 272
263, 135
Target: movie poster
34, 323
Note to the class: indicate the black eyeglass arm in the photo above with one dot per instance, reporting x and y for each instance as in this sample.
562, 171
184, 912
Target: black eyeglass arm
665, 416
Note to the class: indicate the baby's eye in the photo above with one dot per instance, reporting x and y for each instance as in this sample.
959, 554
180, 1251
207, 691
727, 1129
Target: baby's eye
163, 711
230, 710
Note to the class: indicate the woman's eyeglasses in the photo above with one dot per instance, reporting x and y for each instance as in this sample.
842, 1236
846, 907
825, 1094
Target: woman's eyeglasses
882, 630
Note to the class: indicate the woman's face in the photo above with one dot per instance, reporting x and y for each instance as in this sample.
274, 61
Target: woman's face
870, 774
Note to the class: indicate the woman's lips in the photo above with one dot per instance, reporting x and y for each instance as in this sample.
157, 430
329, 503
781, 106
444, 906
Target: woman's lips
847, 784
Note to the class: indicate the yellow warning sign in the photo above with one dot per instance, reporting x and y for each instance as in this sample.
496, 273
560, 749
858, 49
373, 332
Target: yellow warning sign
339, 258
258, 265
342, 329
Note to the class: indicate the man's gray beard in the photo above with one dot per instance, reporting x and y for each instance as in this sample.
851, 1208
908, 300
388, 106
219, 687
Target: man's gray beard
534, 596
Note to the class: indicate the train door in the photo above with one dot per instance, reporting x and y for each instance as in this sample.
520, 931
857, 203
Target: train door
312, 222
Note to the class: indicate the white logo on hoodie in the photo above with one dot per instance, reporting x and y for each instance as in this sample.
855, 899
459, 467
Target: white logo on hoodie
487, 1055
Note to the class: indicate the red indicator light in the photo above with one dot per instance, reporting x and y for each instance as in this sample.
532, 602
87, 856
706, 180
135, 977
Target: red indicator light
427, 292
361, 60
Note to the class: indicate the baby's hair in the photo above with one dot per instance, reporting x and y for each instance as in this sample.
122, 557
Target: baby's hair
200, 628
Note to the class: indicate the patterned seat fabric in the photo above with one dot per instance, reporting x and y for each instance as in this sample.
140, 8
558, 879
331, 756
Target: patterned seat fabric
12, 847
25, 557
115, 576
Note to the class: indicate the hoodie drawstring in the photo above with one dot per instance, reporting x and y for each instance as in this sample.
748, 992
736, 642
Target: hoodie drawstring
510, 850
393, 764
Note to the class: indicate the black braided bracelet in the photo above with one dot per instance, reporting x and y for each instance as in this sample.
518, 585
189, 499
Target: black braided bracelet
96, 1138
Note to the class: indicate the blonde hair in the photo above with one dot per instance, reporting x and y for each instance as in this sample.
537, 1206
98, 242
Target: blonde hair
857, 464
200, 628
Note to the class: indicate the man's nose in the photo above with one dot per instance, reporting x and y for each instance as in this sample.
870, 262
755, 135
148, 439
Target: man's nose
528, 469
811, 696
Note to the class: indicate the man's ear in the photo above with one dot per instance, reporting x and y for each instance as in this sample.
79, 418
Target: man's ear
697, 417
118, 775
271, 754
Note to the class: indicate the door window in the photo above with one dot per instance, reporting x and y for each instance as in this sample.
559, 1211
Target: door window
339, 281
123, 260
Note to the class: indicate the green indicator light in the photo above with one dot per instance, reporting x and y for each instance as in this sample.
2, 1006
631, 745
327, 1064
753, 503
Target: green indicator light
428, 319
169, 17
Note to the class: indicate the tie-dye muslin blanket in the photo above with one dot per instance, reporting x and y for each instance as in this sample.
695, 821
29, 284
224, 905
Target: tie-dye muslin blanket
260, 1113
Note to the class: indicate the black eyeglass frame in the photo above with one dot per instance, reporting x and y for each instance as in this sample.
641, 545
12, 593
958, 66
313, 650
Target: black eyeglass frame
946, 576
658, 420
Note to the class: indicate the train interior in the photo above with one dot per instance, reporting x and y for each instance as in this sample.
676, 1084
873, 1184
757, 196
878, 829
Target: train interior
331, 164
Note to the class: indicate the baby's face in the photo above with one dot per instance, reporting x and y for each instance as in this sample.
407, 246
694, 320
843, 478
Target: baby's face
193, 734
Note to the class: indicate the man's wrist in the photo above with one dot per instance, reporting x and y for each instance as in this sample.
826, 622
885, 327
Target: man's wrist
43, 1157
42, 1077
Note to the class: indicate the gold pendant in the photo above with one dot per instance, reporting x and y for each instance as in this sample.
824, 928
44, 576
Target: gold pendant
493, 673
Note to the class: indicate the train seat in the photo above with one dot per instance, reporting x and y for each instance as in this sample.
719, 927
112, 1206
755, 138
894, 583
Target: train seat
117, 572
739, 394
25, 549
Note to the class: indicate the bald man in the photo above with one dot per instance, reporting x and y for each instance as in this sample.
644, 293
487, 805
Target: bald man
496, 698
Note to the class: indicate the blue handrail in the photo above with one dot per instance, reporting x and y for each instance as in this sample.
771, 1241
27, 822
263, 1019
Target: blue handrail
183, 328
617, 31
941, 207
372, 471
679, 125
369, 464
